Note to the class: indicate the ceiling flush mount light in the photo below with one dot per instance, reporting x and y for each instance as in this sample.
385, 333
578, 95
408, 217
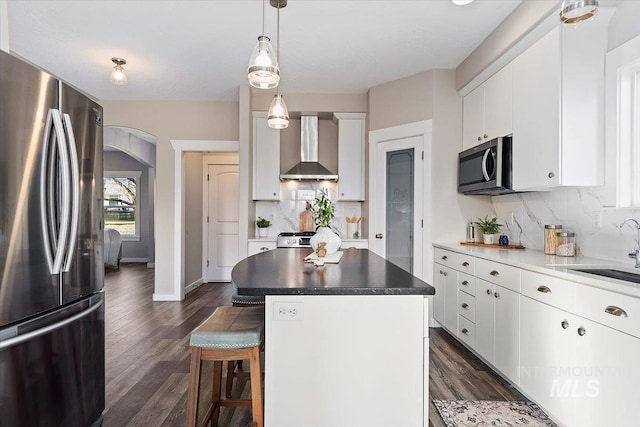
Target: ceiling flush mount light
118, 77
263, 71
278, 116
574, 11
461, 2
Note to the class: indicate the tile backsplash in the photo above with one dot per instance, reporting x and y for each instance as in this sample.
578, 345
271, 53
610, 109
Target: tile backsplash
285, 213
577, 210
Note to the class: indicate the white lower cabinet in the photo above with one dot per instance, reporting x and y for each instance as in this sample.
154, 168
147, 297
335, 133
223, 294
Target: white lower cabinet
498, 327
445, 302
255, 247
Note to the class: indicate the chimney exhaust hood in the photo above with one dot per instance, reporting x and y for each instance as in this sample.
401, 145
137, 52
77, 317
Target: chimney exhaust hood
309, 169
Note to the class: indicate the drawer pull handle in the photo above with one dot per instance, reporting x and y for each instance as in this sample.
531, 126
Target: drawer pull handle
488, 291
444, 257
494, 273
465, 331
264, 248
465, 306
465, 264
582, 331
497, 295
544, 289
565, 324
615, 311
465, 283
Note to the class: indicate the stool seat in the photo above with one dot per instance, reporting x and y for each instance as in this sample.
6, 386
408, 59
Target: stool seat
230, 327
247, 300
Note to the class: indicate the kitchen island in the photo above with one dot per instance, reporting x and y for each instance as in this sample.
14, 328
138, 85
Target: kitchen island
346, 344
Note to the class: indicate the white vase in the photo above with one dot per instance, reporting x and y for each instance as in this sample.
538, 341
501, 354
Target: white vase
490, 239
324, 234
263, 231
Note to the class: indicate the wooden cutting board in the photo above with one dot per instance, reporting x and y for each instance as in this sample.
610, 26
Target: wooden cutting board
493, 246
306, 220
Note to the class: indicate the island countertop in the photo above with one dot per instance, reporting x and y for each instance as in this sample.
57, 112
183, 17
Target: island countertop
359, 272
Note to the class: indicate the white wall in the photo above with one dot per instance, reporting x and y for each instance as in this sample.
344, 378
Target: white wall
624, 24
193, 217
118, 161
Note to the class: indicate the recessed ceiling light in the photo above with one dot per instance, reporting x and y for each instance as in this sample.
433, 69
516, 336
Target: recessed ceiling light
461, 2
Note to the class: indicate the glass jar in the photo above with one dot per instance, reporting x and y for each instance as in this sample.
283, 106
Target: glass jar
566, 244
550, 238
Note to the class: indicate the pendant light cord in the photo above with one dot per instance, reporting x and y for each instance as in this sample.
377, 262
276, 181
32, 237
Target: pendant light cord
264, 2
278, 51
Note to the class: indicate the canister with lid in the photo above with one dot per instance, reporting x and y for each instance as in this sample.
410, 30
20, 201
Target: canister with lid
566, 244
550, 238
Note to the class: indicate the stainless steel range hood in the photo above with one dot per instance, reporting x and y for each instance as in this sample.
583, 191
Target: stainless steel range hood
309, 168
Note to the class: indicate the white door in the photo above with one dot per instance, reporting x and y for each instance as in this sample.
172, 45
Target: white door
222, 215
398, 209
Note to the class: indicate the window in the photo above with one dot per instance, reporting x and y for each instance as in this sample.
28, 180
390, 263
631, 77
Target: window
121, 209
623, 123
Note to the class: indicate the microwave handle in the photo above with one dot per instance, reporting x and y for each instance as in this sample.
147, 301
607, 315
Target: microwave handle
484, 164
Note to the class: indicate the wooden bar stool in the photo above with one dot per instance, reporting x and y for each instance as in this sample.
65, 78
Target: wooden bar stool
229, 334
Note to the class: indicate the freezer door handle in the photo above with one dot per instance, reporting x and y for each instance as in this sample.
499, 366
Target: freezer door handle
48, 329
75, 191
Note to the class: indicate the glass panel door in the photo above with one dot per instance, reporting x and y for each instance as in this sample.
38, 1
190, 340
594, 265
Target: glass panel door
399, 208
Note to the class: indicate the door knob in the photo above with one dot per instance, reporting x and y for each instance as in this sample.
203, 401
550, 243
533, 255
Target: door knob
379, 236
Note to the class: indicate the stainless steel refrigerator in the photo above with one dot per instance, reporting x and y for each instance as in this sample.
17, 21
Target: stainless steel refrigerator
52, 333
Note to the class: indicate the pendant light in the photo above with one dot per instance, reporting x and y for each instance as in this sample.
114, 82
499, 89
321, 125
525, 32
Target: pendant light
263, 71
118, 77
278, 116
574, 11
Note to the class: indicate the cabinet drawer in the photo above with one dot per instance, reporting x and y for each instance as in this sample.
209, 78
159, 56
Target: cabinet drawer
550, 290
467, 306
467, 283
500, 274
465, 263
618, 311
445, 257
467, 331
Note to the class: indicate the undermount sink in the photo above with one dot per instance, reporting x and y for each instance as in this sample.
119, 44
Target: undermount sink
612, 273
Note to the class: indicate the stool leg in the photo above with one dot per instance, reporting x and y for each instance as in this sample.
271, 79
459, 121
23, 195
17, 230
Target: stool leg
194, 384
256, 387
231, 368
215, 392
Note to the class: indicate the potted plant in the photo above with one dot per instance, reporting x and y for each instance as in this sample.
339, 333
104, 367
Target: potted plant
489, 228
263, 224
323, 213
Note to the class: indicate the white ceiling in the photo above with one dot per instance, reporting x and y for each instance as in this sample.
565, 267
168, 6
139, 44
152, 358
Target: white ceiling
198, 50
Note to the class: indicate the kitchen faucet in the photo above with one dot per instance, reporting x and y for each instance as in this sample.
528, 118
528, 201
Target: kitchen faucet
636, 253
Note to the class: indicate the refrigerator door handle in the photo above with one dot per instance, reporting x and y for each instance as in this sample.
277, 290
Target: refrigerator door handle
48, 329
45, 202
64, 195
75, 191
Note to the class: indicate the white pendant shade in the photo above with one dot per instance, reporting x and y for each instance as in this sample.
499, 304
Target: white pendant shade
278, 116
263, 70
574, 11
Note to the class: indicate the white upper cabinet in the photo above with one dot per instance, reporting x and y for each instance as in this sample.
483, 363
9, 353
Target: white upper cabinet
558, 105
487, 110
266, 159
351, 134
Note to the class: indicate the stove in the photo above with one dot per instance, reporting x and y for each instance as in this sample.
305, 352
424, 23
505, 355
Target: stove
298, 239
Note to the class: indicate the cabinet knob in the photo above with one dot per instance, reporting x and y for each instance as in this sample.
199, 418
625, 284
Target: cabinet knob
465, 283
465, 264
494, 273
479, 138
544, 289
488, 291
486, 136
274, 194
615, 311
564, 324
465, 331
497, 295
551, 174
582, 331
465, 305
441, 272
342, 194
444, 273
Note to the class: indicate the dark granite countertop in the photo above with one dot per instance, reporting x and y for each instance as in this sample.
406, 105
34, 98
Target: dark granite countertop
360, 272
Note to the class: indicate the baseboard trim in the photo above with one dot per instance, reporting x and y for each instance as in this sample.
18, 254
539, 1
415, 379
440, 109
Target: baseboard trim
166, 297
151, 265
134, 260
193, 286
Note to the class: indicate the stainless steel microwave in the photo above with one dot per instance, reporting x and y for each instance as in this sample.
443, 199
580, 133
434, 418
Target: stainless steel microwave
486, 168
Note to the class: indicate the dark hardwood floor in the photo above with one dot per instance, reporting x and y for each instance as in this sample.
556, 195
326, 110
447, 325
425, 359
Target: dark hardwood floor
147, 357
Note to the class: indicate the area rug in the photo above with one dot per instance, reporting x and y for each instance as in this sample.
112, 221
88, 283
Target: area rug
484, 413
